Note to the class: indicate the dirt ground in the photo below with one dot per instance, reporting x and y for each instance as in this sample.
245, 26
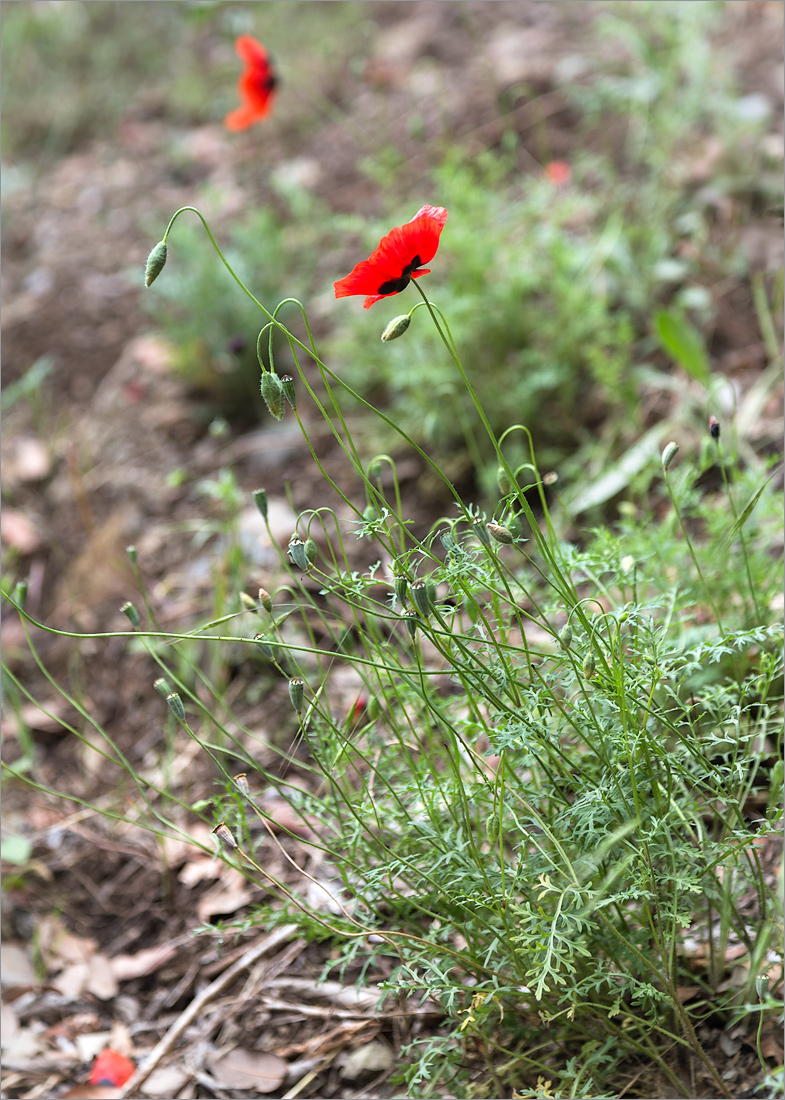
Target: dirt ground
98, 944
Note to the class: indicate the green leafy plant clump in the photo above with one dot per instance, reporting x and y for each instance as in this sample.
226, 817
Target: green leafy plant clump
541, 812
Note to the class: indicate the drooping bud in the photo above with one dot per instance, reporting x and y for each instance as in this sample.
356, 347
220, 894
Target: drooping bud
565, 635
297, 553
242, 782
224, 834
248, 602
589, 665
260, 500
20, 592
287, 382
396, 328
273, 393
131, 613
310, 551
714, 427
669, 454
421, 597
374, 708
492, 828
263, 645
503, 481
370, 513
265, 601
161, 685
155, 263
296, 691
500, 534
175, 705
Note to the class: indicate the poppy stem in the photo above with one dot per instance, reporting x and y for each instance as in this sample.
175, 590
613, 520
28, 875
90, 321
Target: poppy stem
446, 338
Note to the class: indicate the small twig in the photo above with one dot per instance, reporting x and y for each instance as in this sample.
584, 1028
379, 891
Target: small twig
262, 947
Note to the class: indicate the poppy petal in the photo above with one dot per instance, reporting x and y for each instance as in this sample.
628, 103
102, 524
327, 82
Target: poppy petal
397, 259
250, 51
111, 1068
255, 86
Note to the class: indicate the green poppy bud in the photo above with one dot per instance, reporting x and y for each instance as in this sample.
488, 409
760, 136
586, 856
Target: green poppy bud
492, 828
565, 635
669, 454
175, 705
421, 598
503, 481
500, 534
260, 500
481, 531
297, 553
162, 687
155, 263
131, 613
265, 601
20, 592
289, 392
400, 587
273, 393
410, 618
296, 691
310, 551
263, 645
396, 327
248, 602
589, 665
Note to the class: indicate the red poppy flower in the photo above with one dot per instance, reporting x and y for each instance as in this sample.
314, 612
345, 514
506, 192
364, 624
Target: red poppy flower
397, 259
255, 86
111, 1068
558, 172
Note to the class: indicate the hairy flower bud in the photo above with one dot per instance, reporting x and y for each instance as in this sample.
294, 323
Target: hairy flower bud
260, 500
669, 454
310, 551
565, 635
248, 602
589, 665
500, 534
272, 391
396, 327
224, 834
503, 481
155, 263
265, 601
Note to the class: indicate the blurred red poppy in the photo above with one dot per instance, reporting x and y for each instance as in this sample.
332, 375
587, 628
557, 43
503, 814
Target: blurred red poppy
558, 172
397, 259
255, 87
111, 1068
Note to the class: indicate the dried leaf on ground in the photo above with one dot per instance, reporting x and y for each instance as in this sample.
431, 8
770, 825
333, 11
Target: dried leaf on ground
250, 1069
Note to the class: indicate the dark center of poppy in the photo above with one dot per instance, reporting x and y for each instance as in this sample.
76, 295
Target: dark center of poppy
395, 286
